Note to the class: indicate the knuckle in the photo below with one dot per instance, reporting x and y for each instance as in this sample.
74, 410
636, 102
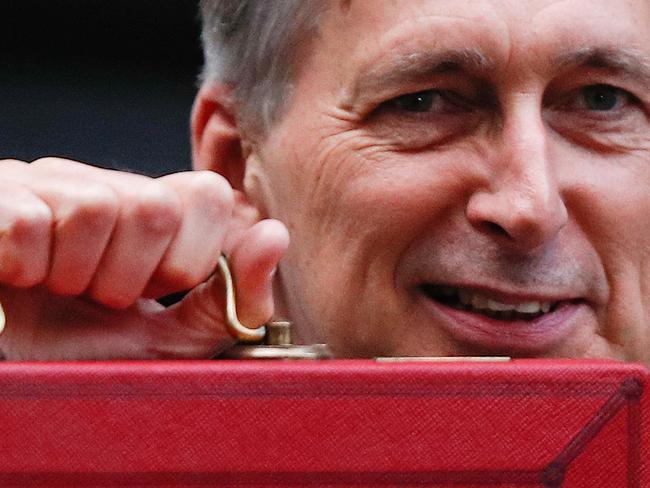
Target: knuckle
157, 210
18, 273
49, 162
213, 191
113, 297
21, 273
12, 164
95, 207
25, 233
178, 277
209, 182
28, 224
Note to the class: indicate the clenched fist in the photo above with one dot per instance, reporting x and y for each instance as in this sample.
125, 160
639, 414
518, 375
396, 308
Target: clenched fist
84, 251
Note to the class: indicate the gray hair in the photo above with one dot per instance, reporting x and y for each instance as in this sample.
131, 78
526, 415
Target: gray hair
251, 45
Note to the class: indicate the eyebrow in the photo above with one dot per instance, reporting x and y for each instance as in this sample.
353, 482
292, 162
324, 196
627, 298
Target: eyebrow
417, 65
629, 62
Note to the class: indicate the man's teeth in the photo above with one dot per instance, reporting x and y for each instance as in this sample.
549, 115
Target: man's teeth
481, 302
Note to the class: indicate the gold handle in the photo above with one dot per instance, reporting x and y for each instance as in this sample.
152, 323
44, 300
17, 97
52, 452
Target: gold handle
2, 319
236, 329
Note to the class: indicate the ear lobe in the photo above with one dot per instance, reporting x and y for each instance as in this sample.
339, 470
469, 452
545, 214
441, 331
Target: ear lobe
216, 140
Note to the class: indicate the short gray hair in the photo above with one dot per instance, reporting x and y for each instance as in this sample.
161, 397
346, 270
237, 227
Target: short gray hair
251, 45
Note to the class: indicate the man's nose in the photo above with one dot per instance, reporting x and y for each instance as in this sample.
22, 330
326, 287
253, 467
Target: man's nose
521, 205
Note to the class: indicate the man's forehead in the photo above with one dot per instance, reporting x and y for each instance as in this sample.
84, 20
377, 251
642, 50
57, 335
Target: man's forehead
428, 34
394, 11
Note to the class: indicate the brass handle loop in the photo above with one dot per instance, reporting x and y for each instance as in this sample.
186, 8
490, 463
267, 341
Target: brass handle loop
3, 319
236, 329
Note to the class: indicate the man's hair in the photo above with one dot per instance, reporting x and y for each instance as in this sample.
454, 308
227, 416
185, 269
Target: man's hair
253, 46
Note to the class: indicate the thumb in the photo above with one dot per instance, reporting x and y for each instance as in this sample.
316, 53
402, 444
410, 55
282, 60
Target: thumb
253, 270
253, 261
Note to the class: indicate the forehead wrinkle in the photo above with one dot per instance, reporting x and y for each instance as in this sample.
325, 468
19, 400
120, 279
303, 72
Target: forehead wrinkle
625, 60
417, 65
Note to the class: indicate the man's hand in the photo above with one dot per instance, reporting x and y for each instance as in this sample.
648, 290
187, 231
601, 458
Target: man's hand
83, 252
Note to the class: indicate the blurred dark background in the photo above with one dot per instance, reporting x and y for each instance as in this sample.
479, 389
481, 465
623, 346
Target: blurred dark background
109, 82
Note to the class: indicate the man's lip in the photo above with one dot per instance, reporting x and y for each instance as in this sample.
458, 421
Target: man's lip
526, 337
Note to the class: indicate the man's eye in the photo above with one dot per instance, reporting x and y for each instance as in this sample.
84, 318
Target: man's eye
603, 98
423, 119
416, 102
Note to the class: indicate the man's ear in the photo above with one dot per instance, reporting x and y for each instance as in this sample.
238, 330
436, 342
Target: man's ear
216, 139
217, 146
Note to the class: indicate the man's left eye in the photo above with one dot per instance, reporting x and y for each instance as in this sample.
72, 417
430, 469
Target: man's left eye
603, 98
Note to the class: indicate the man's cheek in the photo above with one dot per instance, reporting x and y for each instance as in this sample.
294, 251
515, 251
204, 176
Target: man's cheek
314, 173
409, 190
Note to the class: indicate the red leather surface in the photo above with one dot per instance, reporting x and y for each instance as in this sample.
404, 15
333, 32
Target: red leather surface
334, 423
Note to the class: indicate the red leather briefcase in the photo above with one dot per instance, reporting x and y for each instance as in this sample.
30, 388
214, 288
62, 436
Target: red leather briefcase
325, 423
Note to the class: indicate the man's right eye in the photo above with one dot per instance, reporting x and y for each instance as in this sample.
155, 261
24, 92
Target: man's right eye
416, 102
424, 118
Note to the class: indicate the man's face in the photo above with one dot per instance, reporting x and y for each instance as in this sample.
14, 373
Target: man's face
465, 178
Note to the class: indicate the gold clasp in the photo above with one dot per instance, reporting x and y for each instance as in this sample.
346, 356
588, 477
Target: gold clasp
272, 341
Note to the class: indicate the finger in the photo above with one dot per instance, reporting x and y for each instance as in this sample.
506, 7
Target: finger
200, 316
149, 216
188, 258
85, 218
25, 236
254, 270
207, 202
84, 214
9, 167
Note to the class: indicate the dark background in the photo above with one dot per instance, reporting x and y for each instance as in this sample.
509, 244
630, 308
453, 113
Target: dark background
109, 82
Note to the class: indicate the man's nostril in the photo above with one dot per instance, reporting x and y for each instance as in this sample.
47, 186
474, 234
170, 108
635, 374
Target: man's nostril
494, 229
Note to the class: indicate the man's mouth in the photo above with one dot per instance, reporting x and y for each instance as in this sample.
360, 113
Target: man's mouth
477, 302
498, 322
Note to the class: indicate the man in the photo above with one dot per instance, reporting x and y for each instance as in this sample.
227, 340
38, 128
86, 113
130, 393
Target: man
456, 177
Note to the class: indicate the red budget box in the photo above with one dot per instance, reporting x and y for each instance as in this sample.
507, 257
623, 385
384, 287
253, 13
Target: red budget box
525, 423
